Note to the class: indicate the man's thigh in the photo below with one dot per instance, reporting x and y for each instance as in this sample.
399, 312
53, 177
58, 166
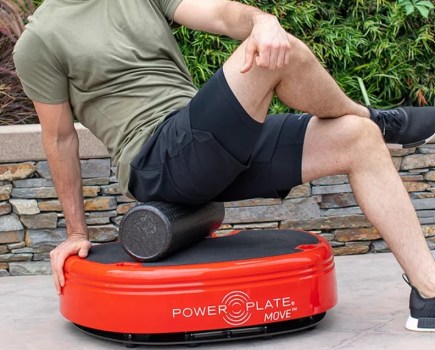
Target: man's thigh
225, 156
201, 170
255, 88
276, 165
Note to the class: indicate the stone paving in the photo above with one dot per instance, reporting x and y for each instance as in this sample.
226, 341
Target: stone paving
370, 315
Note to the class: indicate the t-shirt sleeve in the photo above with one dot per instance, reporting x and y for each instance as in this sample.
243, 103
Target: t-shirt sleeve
40, 73
168, 7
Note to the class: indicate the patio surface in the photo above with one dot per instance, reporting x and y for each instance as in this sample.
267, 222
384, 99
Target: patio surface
371, 312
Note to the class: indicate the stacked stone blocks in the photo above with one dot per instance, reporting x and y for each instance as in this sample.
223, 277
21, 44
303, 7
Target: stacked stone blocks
31, 218
32, 223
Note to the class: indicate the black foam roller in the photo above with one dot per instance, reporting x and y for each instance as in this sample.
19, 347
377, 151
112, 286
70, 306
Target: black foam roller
154, 230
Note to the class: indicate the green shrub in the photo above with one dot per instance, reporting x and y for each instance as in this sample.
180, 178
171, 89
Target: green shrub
392, 52
379, 49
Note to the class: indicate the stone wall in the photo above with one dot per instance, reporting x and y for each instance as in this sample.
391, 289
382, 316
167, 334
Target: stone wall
32, 223
327, 206
31, 219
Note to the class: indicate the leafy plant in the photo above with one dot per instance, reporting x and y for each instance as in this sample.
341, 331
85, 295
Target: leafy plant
391, 52
421, 6
379, 51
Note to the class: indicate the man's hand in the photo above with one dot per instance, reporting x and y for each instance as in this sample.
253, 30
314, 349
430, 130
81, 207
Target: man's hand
268, 44
74, 245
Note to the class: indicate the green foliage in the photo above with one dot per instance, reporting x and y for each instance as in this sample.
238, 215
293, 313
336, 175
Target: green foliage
389, 49
421, 6
380, 51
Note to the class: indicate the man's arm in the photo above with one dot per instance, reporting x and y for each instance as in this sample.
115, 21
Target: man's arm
60, 142
267, 42
225, 17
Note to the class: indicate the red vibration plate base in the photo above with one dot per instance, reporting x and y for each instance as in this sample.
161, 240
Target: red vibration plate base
133, 298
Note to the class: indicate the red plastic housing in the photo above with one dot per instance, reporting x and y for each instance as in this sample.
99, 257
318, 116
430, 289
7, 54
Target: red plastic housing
133, 298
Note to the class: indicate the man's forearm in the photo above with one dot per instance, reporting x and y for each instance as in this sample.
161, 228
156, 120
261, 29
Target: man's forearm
230, 18
239, 19
64, 162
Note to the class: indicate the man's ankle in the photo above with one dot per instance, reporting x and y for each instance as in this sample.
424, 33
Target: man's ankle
426, 290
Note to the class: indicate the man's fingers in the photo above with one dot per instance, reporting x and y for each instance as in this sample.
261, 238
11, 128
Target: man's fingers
61, 279
54, 270
59, 272
249, 62
273, 58
280, 61
83, 252
250, 53
59, 255
56, 282
287, 57
264, 56
56, 276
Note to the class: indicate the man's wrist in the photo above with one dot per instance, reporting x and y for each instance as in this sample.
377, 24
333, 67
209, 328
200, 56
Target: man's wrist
76, 226
74, 235
262, 17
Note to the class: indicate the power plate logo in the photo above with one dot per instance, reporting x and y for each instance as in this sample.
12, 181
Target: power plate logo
237, 312
237, 307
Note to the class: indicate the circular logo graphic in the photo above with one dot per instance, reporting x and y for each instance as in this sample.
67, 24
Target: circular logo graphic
237, 313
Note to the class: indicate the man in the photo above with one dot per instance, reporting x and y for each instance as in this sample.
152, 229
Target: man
115, 65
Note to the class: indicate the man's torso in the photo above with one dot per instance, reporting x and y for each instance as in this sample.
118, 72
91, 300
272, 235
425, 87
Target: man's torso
123, 67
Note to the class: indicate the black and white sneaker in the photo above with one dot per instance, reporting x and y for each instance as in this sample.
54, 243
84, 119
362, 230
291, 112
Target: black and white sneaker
405, 127
422, 318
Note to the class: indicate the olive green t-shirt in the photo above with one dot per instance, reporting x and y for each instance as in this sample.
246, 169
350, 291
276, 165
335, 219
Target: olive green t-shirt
115, 61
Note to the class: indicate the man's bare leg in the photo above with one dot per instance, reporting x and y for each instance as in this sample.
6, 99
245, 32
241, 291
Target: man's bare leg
353, 145
303, 84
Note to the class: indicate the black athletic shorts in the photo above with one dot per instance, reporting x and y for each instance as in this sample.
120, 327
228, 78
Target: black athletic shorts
212, 150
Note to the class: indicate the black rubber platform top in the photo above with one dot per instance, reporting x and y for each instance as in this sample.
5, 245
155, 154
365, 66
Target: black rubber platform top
248, 244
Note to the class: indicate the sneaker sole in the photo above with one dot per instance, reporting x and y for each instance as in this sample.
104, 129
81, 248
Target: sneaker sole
412, 325
430, 139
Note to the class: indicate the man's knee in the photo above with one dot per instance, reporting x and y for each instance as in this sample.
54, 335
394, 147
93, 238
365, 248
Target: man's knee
357, 133
301, 54
360, 142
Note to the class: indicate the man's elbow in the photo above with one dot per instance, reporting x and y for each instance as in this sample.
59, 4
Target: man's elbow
60, 140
